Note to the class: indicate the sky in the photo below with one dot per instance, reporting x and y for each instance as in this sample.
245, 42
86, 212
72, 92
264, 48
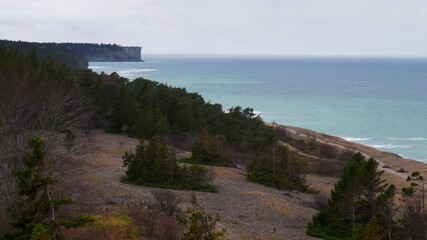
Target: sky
243, 27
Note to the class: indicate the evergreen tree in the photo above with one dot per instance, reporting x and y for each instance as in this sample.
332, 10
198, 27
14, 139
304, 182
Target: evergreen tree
273, 165
358, 197
418, 183
154, 164
206, 151
151, 163
36, 203
199, 224
372, 231
371, 179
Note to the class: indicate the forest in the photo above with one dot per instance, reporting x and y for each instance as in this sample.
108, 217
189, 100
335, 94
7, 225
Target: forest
48, 51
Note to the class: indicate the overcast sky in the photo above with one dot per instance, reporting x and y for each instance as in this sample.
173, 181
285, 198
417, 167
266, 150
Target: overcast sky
279, 27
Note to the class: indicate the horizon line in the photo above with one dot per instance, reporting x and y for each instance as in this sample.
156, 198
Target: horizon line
230, 55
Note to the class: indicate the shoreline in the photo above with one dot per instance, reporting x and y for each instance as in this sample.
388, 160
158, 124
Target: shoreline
396, 168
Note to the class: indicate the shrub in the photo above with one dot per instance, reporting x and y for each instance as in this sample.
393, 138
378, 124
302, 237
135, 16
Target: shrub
327, 168
345, 156
152, 225
105, 227
154, 164
206, 151
166, 201
273, 165
327, 151
199, 224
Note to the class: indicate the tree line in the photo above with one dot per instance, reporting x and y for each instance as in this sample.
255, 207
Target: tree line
48, 51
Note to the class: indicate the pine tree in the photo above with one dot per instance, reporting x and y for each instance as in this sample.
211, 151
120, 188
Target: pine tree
273, 165
372, 231
36, 204
151, 163
199, 224
358, 197
154, 164
417, 182
206, 151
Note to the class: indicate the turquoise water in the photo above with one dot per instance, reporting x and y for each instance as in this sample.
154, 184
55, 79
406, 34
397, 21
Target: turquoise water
377, 102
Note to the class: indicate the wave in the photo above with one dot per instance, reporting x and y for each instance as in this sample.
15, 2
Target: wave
96, 67
407, 139
355, 139
389, 146
132, 71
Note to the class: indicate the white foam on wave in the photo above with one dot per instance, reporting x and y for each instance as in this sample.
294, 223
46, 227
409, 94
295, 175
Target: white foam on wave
389, 146
96, 67
407, 139
355, 139
137, 70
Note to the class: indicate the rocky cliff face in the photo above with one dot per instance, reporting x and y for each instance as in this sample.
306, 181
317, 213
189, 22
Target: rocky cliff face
105, 52
122, 54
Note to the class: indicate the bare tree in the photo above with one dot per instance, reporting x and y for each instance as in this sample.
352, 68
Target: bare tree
412, 219
40, 108
417, 181
166, 201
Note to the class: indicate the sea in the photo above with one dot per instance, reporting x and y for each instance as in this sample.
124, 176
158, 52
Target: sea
379, 102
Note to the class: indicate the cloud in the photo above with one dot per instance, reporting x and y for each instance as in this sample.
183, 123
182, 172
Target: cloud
286, 27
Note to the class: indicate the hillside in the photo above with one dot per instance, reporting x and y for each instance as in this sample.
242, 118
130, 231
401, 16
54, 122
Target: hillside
248, 210
396, 169
251, 211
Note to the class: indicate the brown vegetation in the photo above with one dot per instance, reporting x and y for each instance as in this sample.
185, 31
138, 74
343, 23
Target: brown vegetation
47, 109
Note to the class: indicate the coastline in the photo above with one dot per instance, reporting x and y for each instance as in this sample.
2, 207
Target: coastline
396, 168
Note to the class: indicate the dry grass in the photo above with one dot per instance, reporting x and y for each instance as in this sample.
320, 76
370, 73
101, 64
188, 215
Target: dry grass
226, 173
105, 227
135, 225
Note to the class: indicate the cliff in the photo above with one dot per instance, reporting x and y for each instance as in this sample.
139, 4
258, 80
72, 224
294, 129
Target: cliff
105, 52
